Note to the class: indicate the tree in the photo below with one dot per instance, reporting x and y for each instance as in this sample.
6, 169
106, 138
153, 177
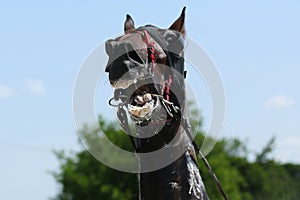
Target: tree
262, 157
81, 176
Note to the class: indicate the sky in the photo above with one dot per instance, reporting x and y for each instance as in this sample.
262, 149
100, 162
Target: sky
255, 46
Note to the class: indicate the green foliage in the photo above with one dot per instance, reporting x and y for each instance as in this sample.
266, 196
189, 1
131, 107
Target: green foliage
228, 174
262, 157
81, 176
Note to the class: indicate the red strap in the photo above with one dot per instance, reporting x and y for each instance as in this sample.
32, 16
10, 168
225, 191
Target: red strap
167, 87
152, 57
151, 47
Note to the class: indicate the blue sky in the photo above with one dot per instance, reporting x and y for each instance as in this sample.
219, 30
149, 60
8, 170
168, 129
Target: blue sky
254, 44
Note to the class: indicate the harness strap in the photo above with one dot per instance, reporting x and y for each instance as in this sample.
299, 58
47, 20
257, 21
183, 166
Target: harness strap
167, 87
151, 30
151, 50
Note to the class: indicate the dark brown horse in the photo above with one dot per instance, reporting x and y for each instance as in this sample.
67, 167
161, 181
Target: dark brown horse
146, 68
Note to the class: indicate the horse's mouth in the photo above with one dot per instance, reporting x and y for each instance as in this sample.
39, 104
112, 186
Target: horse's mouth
142, 92
142, 103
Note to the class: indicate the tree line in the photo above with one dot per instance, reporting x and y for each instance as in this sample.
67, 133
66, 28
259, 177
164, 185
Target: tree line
81, 176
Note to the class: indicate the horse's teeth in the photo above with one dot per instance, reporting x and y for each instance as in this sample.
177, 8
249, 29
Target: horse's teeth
139, 99
141, 111
142, 99
147, 97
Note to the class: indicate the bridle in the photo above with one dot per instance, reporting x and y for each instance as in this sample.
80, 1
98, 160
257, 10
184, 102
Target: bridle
147, 32
174, 112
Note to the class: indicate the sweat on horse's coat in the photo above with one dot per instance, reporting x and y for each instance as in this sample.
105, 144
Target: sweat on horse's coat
195, 181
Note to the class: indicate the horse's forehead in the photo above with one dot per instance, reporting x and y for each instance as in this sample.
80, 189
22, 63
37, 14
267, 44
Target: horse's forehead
135, 39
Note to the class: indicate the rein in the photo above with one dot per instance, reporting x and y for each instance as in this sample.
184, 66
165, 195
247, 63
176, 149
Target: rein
173, 111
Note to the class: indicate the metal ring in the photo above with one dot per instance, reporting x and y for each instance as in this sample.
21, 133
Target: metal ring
114, 105
118, 97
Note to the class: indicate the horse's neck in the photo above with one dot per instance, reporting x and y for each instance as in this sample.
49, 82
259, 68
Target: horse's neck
170, 182
180, 179
155, 137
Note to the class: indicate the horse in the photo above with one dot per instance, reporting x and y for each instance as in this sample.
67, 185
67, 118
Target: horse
146, 69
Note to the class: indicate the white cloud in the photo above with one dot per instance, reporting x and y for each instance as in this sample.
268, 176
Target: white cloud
288, 149
7, 92
36, 87
280, 101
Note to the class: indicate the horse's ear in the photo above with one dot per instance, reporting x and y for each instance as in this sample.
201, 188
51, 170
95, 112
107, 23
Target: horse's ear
178, 25
129, 23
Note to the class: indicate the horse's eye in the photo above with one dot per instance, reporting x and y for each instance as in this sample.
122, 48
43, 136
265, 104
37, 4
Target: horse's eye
171, 39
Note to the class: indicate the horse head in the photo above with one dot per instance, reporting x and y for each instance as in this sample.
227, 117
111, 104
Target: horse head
145, 66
